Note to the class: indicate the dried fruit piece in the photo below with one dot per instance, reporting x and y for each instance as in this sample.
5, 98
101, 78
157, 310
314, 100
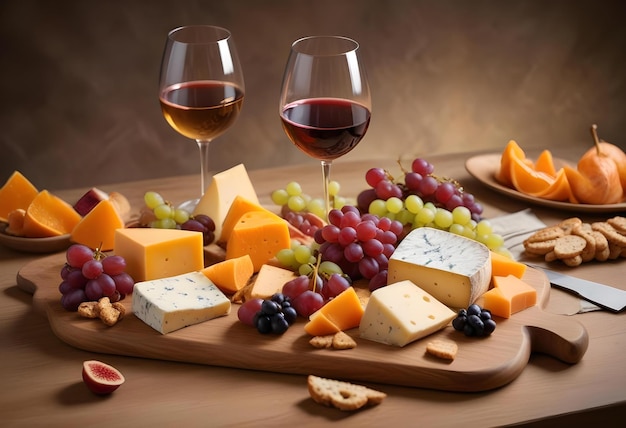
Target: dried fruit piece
101, 378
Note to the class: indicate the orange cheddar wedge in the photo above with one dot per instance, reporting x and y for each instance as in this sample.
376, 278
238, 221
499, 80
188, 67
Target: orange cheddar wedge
504, 266
230, 275
16, 193
509, 296
239, 207
97, 228
261, 234
320, 325
343, 312
48, 215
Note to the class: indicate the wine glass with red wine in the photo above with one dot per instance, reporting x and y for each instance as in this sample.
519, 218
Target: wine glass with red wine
325, 100
201, 88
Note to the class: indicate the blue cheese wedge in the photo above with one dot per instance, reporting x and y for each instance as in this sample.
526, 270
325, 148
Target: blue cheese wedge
401, 313
454, 269
169, 304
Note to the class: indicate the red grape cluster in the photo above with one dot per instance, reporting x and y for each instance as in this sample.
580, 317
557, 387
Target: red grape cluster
420, 181
306, 222
201, 223
360, 244
90, 275
308, 296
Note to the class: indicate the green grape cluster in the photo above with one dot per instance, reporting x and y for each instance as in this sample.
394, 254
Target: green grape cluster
294, 199
413, 212
166, 215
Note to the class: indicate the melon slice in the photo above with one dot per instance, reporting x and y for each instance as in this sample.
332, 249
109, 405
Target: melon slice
16, 193
48, 215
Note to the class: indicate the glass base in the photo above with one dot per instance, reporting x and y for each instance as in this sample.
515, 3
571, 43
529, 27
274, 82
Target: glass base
189, 205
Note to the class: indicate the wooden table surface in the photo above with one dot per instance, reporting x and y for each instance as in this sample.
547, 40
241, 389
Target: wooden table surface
41, 375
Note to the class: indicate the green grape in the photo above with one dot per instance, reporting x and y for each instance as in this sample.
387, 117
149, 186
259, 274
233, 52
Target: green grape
430, 206
165, 223
333, 188
293, 188
494, 241
461, 215
305, 269
484, 228
302, 254
163, 211
153, 199
317, 207
425, 216
394, 205
180, 215
296, 203
280, 197
329, 268
457, 229
378, 207
469, 232
405, 217
413, 204
340, 202
287, 258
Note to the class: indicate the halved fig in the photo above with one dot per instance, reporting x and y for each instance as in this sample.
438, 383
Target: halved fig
101, 378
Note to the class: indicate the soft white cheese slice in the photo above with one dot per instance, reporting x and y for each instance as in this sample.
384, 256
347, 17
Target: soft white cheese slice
454, 269
401, 313
169, 304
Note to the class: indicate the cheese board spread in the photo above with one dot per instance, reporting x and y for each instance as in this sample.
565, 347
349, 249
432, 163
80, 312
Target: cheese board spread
481, 363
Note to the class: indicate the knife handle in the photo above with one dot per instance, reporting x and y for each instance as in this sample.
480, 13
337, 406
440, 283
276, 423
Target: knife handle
557, 335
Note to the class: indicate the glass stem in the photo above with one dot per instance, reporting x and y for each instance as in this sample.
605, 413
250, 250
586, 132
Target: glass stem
205, 178
326, 177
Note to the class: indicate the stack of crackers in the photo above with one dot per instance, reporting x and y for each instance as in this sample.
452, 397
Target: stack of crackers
574, 242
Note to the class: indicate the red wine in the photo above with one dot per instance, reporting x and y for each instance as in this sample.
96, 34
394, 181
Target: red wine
325, 128
202, 109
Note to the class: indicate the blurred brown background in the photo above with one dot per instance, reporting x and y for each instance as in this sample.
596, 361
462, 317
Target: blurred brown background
79, 80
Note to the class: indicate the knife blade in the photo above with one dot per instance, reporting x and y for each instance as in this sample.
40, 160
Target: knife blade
605, 296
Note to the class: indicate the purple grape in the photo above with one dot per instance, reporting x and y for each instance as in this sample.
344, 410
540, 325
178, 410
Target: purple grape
124, 283
92, 269
113, 265
77, 254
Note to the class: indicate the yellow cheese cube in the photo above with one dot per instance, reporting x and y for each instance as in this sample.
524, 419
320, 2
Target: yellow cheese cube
239, 207
159, 253
259, 234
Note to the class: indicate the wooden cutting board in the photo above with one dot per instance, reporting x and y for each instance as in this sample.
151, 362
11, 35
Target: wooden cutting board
481, 363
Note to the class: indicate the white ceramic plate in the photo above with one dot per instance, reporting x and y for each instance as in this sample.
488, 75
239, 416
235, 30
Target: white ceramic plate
34, 245
484, 168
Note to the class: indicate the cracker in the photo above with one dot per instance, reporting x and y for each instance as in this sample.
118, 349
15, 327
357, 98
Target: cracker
569, 224
539, 247
444, 349
612, 235
618, 223
614, 251
569, 246
342, 341
322, 342
573, 261
342, 395
546, 234
88, 310
589, 252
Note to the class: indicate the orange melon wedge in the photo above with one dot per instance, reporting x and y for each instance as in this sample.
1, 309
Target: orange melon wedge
48, 215
545, 163
17, 193
511, 151
527, 180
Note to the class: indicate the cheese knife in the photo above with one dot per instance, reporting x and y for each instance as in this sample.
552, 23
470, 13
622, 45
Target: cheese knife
605, 296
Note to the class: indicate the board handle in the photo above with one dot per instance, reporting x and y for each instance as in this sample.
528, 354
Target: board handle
557, 335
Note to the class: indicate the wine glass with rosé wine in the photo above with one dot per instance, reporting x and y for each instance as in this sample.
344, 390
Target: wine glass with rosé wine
201, 88
325, 103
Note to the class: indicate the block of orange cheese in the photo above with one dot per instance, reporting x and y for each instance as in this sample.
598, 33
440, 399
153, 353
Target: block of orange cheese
230, 275
159, 253
97, 228
259, 234
17, 193
504, 266
343, 313
509, 296
269, 281
320, 325
239, 207
48, 215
